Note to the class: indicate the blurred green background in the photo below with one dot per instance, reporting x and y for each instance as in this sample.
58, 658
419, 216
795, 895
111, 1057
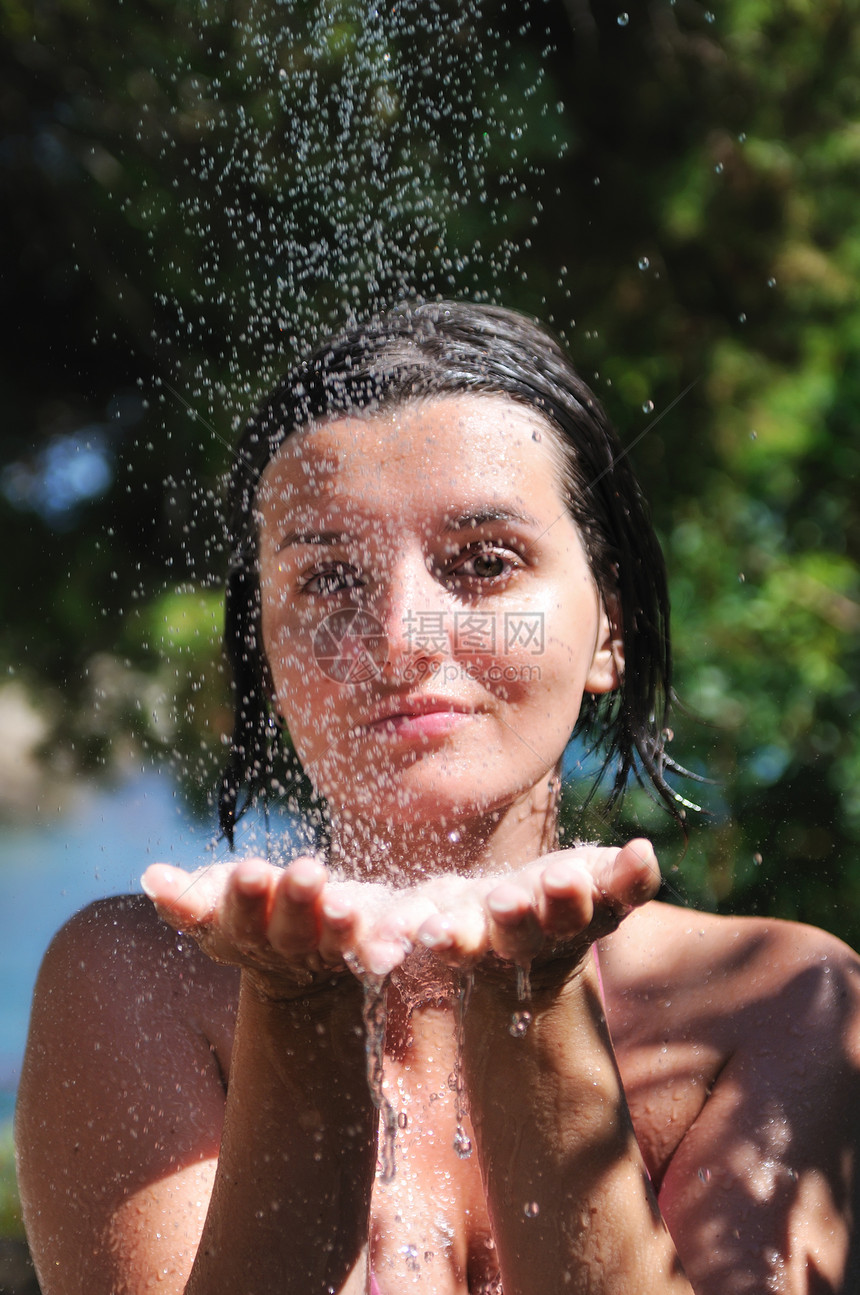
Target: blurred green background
190, 192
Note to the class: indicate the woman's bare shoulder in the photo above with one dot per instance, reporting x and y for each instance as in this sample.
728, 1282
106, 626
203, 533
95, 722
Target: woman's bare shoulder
732, 971
122, 1096
118, 952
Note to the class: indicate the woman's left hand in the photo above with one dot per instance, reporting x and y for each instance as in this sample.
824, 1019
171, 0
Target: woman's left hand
554, 908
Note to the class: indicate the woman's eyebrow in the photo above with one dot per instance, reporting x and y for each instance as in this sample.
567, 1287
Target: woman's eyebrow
310, 537
484, 516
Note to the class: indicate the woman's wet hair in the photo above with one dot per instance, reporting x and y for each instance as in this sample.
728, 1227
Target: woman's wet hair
418, 352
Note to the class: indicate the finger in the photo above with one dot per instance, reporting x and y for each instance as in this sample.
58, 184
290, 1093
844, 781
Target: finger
401, 918
391, 935
566, 898
181, 898
458, 937
338, 926
515, 932
294, 920
244, 910
376, 956
635, 874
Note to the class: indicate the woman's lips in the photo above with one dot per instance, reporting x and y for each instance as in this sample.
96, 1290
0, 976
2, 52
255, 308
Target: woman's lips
422, 718
431, 724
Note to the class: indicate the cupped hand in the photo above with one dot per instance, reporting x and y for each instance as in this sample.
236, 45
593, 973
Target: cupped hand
293, 926
552, 909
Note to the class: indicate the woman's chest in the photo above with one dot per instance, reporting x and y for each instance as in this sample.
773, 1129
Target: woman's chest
430, 1225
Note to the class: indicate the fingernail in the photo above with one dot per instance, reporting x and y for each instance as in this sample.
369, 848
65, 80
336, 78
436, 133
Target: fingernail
336, 909
504, 904
251, 874
434, 939
561, 874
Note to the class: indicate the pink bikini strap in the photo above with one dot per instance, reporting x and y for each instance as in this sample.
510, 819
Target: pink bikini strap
602, 995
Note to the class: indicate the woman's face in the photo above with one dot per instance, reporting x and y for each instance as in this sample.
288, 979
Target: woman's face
428, 612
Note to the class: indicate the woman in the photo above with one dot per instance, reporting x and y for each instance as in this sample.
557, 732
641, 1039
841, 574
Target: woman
442, 568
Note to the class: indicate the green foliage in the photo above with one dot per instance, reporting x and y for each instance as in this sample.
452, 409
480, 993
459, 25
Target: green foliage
193, 190
10, 1206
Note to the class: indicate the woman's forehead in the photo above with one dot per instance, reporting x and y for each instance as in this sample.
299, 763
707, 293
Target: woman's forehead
476, 445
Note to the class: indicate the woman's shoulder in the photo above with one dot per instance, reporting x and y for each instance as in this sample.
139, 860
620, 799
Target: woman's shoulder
736, 975
116, 954
733, 1018
127, 931
122, 1090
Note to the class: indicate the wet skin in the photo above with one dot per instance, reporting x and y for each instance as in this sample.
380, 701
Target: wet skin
442, 509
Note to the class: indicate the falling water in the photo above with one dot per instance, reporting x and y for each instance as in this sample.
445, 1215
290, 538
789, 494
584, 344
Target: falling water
462, 1141
374, 1013
522, 1017
333, 153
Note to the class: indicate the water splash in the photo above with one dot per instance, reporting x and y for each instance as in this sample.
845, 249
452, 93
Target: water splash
462, 1141
374, 1012
327, 170
522, 1017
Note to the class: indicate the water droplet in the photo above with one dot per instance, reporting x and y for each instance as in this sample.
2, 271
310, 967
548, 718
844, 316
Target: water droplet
623, 19
771, 283
410, 1253
531, 1209
741, 578
757, 859
462, 1144
719, 168
753, 435
648, 407
644, 262
704, 1175
742, 318
454, 837
520, 1022
402, 1120
742, 138
536, 436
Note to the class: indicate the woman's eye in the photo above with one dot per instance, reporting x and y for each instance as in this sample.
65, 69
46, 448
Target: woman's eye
485, 564
331, 580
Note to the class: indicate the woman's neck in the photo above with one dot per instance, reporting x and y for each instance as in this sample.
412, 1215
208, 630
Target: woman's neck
498, 840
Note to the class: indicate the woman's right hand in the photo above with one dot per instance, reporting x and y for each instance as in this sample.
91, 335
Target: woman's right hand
292, 928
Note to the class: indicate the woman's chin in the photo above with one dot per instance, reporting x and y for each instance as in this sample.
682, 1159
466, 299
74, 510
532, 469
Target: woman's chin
433, 804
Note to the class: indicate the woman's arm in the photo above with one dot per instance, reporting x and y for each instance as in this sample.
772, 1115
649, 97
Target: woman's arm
568, 1194
290, 1208
569, 1199
122, 1101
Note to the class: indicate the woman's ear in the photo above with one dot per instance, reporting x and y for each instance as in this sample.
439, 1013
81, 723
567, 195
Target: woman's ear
607, 664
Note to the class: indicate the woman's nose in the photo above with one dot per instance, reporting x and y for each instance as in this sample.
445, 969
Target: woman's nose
415, 611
